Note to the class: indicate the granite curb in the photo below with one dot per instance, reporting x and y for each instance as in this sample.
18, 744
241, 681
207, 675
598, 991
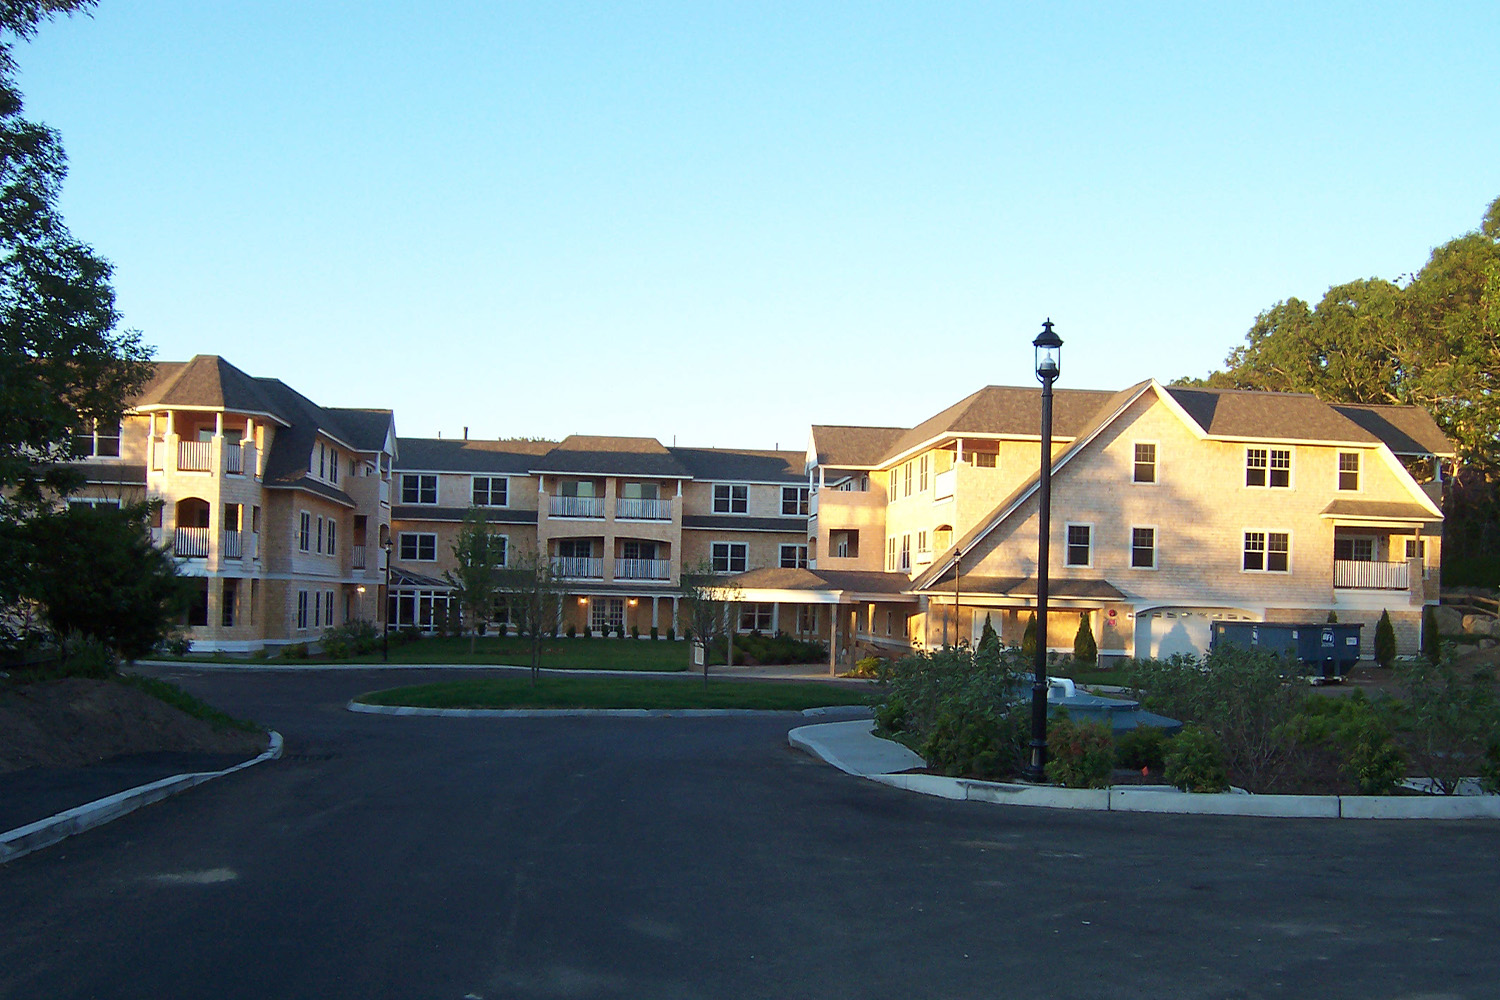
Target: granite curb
46, 832
854, 711
853, 748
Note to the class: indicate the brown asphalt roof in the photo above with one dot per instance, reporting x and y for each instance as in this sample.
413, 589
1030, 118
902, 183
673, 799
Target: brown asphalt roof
1380, 509
458, 455
582, 454
1406, 430
1007, 410
743, 465
854, 581
1283, 416
845, 447
206, 380
1096, 589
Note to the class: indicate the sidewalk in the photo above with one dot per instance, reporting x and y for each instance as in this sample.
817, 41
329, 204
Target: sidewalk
853, 748
41, 806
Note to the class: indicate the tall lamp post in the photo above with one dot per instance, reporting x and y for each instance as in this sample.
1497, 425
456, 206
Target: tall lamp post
385, 636
1048, 366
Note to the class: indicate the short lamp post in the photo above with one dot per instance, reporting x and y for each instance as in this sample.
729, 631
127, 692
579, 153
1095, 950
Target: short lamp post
361, 591
385, 636
1048, 366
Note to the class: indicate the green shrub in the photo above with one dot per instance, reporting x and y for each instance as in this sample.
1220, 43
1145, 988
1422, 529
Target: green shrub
295, 651
260, 653
502, 630
1079, 755
353, 638
1432, 645
1371, 758
869, 666
655, 635
1085, 649
671, 634
572, 631
1385, 641
1333, 618
1447, 722
988, 639
1195, 762
176, 645
85, 656
1028, 639
962, 709
635, 632
1142, 747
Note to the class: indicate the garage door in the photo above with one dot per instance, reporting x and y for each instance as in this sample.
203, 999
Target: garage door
1164, 632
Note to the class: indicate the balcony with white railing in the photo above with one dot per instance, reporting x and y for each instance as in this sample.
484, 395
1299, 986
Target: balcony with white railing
643, 569
230, 545
634, 509
1356, 574
357, 557
578, 568
194, 456
234, 459
576, 507
191, 543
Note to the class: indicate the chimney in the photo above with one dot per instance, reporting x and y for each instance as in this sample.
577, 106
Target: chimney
466, 433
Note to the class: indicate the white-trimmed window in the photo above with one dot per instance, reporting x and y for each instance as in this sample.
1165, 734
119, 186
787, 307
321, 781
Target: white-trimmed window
794, 557
94, 502
418, 546
890, 554
794, 501
924, 546
1080, 545
1416, 548
905, 552
731, 498
985, 459
304, 532
418, 488
730, 557
317, 610
333, 465
1349, 470
333, 527
491, 491
1143, 548
500, 549
1358, 548
922, 474
302, 609
1268, 467
1267, 552
755, 617
327, 607
95, 440
1145, 462
906, 479
893, 492
318, 546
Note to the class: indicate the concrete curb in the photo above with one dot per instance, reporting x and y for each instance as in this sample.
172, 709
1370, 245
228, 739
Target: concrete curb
837, 744
585, 713
46, 832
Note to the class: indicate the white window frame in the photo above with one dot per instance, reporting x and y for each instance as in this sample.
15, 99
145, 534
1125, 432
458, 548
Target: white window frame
922, 479
489, 491
1136, 463
318, 538
798, 556
422, 488
757, 616
1269, 469
302, 610
304, 531
333, 526
798, 497
924, 543
1340, 472
906, 479
905, 563
1155, 539
890, 554
328, 608
729, 496
1264, 550
985, 459
729, 550
94, 437
333, 465
1068, 545
416, 546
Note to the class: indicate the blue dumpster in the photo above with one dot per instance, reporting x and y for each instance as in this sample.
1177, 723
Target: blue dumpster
1328, 650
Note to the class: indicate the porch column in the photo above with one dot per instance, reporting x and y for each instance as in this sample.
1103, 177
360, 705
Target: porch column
673, 626
775, 617
655, 611
833, 640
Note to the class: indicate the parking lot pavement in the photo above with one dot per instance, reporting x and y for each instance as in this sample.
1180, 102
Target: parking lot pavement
401, 857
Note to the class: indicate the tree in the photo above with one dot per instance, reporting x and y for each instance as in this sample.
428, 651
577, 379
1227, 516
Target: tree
63, 366
96, 573
1447, 721
1085, 649
988, 639
1385, 641
1431, 640
1028, 638
534, 596
708, 609
480, 554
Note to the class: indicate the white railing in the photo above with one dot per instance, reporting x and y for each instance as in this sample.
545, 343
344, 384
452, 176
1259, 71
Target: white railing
191, 543
194, 456
643, 569
643, 509
578, 568
230, 545
1354, 574
234, 458
577, 507
943, 485
357, 556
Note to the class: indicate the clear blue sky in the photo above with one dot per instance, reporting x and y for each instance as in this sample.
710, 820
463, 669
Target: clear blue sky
725, 222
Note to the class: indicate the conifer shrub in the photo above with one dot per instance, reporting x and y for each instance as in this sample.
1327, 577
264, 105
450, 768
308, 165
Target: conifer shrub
1085, 649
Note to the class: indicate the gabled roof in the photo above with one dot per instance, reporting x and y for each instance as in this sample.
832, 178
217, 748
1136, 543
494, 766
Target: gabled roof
581, 454
742, 465
1406, 430
844, 447
457, 455
1006, 411
1378, 510
1279, 416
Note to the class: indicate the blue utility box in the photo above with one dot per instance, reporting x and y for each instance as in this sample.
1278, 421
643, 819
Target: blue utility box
1328, 650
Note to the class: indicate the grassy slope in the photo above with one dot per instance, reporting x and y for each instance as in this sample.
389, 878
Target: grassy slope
621, 692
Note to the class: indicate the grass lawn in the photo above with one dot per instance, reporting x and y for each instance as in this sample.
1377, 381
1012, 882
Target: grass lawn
621, 692
557, 654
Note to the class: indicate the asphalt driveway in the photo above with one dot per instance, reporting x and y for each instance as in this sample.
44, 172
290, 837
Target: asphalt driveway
457, 858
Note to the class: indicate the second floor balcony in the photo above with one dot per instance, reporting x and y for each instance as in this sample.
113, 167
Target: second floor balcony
1357, 574
643, 509
643, 569
195, 543
576, 507
578, 568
